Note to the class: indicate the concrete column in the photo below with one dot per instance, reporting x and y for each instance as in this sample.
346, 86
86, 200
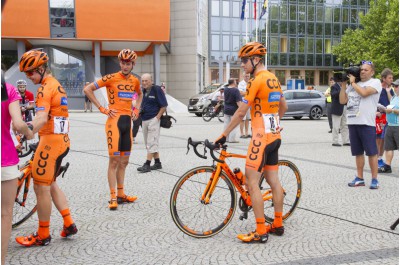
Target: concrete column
221, 70
156, 64
97, 72
228, 71
20, 49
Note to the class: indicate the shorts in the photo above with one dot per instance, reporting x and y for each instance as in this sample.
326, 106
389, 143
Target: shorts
119, 135
9, 173
262, 153
87, 99
151, 134
382, 135
392, 138
362, 139
49, 154
247, 116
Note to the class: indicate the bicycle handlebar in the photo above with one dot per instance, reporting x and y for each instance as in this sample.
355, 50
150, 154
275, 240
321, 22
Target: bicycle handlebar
207, 144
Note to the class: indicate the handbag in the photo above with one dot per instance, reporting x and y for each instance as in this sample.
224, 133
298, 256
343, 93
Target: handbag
166, 120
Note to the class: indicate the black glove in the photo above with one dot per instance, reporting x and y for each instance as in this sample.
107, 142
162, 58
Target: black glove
220, 140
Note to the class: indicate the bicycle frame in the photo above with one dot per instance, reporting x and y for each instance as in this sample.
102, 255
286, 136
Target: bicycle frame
25, 175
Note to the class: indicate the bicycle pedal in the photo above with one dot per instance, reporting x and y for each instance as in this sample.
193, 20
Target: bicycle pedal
243, 216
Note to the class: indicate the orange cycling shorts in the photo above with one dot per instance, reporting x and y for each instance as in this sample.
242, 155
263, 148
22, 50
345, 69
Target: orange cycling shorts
49, 154
262, 153
119, 135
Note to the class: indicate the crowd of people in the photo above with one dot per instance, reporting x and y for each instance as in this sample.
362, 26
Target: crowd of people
354, 114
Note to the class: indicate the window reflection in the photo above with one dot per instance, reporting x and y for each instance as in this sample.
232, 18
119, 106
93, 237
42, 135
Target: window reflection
62, 19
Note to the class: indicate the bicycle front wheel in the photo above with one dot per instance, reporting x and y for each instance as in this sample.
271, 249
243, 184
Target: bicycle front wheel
290, 179
207, 113
23, 211
193, 216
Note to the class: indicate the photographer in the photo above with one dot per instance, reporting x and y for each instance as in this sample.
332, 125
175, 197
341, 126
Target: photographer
362, 100
339, 117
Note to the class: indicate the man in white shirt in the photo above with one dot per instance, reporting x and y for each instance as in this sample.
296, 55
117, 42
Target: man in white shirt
246, 120
362, 100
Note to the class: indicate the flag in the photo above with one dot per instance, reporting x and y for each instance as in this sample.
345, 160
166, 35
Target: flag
243, 10
255, 9
264, 8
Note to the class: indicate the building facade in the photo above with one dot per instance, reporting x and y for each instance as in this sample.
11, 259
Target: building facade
300, 36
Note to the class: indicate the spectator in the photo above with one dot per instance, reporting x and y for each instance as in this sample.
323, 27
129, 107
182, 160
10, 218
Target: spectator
339, 117
163, 88
217, 101
153, 106
26, 102
362, 99
244, 124
232, 101
384, 100
10, 111
329, 103
88, 103
392, 133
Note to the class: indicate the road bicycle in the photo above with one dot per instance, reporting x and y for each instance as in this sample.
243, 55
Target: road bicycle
25, 199
203, 200
209, 113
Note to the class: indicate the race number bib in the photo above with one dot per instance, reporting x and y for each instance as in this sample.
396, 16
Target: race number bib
271, 123
61, 125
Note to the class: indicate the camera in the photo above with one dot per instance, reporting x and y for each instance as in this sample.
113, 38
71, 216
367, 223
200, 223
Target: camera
340, 75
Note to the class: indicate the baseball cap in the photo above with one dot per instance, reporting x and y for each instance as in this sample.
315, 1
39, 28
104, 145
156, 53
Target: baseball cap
396, 83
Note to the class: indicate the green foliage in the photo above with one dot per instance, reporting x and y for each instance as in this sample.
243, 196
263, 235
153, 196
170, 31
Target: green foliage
377, 39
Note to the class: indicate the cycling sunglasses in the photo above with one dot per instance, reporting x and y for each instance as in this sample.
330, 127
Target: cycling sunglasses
244, 60
30, 73
366, 62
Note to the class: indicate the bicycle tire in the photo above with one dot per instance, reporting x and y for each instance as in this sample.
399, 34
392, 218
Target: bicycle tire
23, 213
207, 114
221, 115
200, 220
25, 150
290, 178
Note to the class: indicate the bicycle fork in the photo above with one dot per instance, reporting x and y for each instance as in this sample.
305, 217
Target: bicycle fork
212, 183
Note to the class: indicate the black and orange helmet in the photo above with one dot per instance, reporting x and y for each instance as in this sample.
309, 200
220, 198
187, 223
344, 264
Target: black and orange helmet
32, 59
251, 49
127, 55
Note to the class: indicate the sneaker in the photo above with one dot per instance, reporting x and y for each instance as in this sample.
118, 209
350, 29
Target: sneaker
330, 131
33, 240
381, 163
336, 145
145, 168
69, 231
243, 136
126, 199
374, 184
248, 136
385, 169
346, 144
357, 182
275, 230
156, 166
253, 237
113, 204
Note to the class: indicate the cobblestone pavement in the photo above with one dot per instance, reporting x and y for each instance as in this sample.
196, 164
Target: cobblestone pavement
334, 224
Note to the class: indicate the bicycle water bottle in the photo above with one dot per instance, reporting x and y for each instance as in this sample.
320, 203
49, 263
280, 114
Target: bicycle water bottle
239, 175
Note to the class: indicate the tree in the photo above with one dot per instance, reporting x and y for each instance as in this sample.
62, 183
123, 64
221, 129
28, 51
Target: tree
377, 39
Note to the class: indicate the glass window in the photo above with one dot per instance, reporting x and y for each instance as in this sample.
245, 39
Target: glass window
273, 59
344, 27
284, 44
274, 11
226, 24
310, 28
294, 74
62, 19
69, 71
284, 12
292, 45
293, 12
301, 28
292, 28
215, 24
319, 29
309, 77
273, 46
318, 60
302, 13
236, 9
345, 18
315, 95
310, 45
310, 13
301, 95
328, 59
310, 60
336, 30
320, 13
235, 43
225, 43
353, 2
335, 61
328, 14
354, 16
300, 59
214, 75
215, 42
324, 78
225, 8
292, 59
336, 15
280, 74
283, 27
318, 45
328, 29
362, 3
301, 45
328, 46
283, 59
235, 24
288, 95
274, 26
215, 8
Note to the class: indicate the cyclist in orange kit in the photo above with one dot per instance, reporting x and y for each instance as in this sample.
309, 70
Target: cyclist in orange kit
120, 88
51, 121
264, 96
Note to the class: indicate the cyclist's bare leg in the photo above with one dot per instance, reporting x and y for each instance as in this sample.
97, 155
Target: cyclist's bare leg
43, 197
277, 192
122, 164
58, 196
252, 179
112, 172
8, 191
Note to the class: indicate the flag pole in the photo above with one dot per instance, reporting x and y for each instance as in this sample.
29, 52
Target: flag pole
266, 35
255, 17
246, 16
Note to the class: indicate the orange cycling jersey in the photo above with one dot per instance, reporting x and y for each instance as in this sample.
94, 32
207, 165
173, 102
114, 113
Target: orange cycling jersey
120, 90
52, 98
263, 95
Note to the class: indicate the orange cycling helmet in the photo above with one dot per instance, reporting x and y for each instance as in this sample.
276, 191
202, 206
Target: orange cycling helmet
32, 59
251, 49
127, 55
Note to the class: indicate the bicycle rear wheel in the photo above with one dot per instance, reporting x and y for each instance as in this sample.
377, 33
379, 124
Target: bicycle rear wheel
21, 213
290, 178
194, 217
207, 112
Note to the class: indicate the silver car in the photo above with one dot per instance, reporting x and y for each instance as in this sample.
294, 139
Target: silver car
199, 101
301, 103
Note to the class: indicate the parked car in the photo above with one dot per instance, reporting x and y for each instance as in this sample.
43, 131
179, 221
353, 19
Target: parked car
301, 103
199, 101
